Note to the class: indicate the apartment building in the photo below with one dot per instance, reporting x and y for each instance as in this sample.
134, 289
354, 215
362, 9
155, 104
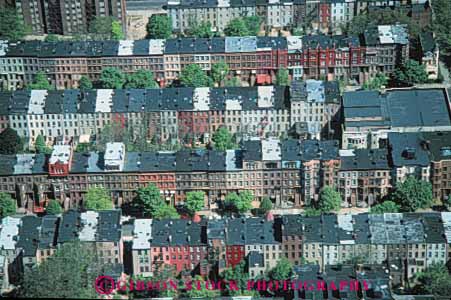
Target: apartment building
370, 115
253, 59
67, 17
364, 176
439, 147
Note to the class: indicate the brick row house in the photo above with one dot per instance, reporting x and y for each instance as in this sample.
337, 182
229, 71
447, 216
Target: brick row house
252, 59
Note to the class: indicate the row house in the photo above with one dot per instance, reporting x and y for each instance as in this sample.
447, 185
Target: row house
67, 17
364, 176
101, 231
255, 59
368, 116
26, 241
184, 115
418, 240
179, 244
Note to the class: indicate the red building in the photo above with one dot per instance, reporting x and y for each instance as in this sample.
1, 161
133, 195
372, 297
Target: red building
60, 160
235, 240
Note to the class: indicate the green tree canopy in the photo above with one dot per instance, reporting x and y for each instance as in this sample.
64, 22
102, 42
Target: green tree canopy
265, 205
40, 82
51, 38
223, 139
112, 78
200, 29
85, 83
413, 194
282, 271
159, 27
195, 201
219, 72
410, 73
203, 292
8, 205
165, 211
312, 212
193, 76
102, 28
243, 26
442, 24
116, 31
233, 82
54, 208
376, 83
242, 202
72, 263
150, 202
282, 77
239, 275
10, 142
385, 207
41, 146
436, 280
98, 198
12, 27
141, 79
329, 200
236, 27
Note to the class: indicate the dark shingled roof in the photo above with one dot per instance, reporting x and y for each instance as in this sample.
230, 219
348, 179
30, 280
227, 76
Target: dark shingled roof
365, 159
438, 143
406, 149
177, 233
256, 259
324, 41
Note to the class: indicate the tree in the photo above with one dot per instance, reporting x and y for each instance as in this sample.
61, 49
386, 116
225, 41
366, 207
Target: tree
282, 77
442, 24
141, 79
8, 205
265, 205
116, 31
200, 30
233, 82
376, 83
241, 202
112, 78
413, 194
222, 139
54, 208
312, 212
436, 280
159, 27
51, 38
72, 263
238, 275
236, 27
195, 201
410, 73
329, 200
98, 198
282, 270
219, 72
150, 202
201, 291
12, 27
193, 76
385, 207
85, 83
40, 82
165, 211
102, 27
10, 142
253, 24
41, 146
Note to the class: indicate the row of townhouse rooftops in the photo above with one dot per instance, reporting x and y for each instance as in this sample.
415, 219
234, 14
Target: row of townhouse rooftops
405, 149
31, 233
387, 34
240, 3
39, 102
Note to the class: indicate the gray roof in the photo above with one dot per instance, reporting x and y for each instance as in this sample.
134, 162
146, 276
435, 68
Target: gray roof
406, 149
365, 159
